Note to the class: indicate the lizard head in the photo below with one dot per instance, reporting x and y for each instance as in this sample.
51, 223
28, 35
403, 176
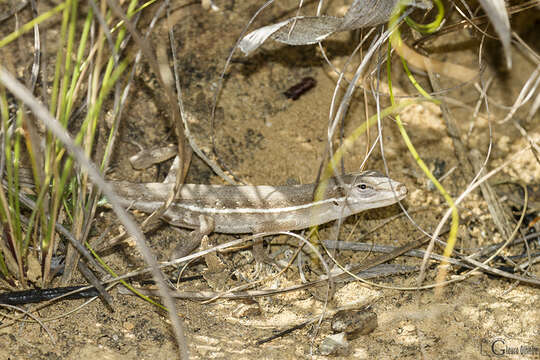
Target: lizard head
369, 190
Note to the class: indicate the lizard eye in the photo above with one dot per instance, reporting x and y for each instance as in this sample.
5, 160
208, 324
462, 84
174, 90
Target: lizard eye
364, 190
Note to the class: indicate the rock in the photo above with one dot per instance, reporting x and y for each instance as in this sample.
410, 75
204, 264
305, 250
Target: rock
354, 322
335, 345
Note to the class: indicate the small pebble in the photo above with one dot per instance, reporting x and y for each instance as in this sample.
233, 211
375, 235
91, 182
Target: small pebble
354, 322
335, 344
247, 310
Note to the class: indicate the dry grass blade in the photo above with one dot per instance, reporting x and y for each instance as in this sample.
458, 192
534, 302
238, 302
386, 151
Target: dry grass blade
375, 272
492, 270
356, 246
29, 314
14, 10
500, 217
496, 11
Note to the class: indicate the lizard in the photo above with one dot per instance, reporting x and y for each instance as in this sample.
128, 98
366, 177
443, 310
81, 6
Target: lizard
253, 209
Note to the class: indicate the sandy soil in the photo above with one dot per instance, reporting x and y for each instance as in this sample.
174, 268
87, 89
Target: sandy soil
265, 138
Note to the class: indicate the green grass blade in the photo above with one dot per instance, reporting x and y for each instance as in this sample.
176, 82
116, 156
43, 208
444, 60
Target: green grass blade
30, 25
395, 40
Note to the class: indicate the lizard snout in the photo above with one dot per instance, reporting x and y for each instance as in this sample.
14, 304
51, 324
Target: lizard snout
402, 190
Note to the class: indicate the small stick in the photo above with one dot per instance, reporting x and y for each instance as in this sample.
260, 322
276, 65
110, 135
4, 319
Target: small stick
373, 273
39, 295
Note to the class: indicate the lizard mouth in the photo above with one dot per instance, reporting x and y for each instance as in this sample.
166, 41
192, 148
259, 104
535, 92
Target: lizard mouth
392, 194
400, 191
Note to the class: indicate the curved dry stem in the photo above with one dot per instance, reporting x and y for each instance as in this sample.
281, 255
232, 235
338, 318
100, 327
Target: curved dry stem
27, 313
422, 62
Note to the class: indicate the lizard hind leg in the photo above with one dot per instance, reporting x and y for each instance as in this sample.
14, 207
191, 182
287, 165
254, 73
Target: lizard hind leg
260, 255
184, 248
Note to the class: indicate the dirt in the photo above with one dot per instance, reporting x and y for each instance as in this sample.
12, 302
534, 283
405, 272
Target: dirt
264, 138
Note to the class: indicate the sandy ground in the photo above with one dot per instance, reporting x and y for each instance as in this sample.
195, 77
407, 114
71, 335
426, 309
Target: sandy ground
265, 138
